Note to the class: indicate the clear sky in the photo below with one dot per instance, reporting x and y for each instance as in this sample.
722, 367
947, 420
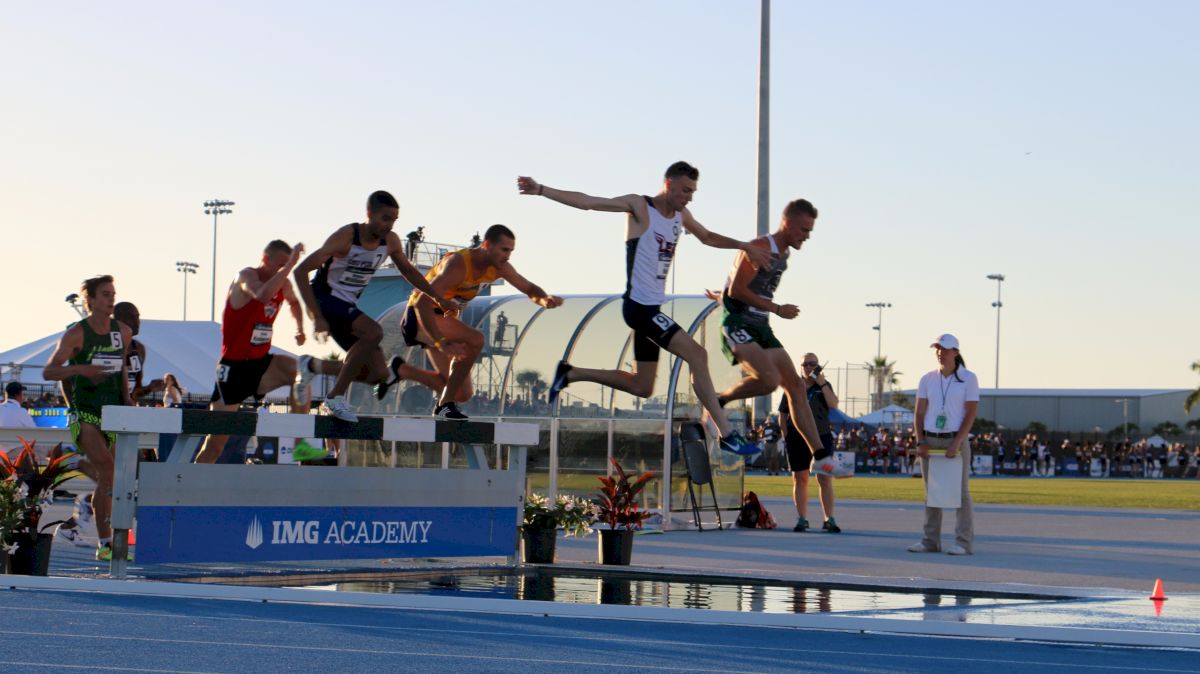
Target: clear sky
1054, 142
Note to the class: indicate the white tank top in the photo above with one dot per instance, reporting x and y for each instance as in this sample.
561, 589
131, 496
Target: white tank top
347, 277
648, 257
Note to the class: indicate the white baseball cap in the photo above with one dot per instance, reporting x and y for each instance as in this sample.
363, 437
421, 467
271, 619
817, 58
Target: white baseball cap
946, 341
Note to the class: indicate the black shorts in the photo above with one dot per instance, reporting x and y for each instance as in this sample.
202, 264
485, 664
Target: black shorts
239, 379
800, 457
410, 326
340, 316
652, 329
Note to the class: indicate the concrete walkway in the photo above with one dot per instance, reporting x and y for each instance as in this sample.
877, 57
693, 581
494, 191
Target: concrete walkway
1042, 546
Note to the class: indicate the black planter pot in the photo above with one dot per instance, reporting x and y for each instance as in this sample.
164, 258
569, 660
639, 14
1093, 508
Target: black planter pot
616, 546
32, 556
538, 545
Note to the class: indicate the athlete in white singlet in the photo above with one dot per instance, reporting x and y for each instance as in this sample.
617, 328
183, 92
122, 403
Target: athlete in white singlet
344, 266
652, 229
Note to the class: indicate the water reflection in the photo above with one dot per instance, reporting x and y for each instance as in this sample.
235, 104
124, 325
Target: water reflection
579, 588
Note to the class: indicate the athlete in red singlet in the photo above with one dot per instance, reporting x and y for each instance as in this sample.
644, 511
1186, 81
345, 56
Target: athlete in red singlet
247, 368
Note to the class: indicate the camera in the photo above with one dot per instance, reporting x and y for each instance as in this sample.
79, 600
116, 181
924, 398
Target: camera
817, 370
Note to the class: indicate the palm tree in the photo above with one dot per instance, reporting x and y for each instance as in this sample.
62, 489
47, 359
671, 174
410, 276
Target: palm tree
884, 374
1193, 398
1167, 429
527, 379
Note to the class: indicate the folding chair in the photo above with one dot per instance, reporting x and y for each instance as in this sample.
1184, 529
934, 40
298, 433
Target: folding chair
699, 470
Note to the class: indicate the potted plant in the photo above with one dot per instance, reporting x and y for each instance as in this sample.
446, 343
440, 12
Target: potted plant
620, 511
542, 520
27, 488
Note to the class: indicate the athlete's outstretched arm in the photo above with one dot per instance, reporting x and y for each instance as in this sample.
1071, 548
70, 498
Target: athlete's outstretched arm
338, 243
532, 290
293, 303
739, 287
412, 274
759, 257
578, 200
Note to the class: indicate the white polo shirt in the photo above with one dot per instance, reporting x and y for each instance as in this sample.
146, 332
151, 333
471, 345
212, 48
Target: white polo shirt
948, 396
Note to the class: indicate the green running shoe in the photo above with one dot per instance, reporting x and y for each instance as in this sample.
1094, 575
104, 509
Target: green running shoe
831, 526
801, 525
306, 452
104, 553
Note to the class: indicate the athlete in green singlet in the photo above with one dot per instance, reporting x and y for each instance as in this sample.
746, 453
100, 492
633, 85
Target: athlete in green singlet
90, 360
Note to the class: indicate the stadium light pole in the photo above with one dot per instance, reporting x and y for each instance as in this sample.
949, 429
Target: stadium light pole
879, 326
185, 268
1124, 418
999, 279
215, 207
762, 404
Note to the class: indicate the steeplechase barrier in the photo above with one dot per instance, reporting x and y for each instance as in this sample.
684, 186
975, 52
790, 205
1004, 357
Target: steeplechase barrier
188, 513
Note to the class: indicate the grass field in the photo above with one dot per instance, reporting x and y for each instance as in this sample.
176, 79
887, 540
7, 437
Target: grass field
1155, 494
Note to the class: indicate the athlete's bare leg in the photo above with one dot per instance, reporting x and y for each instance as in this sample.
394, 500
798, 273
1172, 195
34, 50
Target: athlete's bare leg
761, 374
639, 383
363, 359
97, 452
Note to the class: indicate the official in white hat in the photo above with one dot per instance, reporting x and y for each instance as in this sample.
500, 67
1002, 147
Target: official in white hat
947, 401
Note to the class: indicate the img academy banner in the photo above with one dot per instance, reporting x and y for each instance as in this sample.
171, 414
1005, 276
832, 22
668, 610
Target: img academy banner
262, 534
236, 513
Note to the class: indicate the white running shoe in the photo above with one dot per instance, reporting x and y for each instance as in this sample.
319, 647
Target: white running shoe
304, 377
831, 468
338, 407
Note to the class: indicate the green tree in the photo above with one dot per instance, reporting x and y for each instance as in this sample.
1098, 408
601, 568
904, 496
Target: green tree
1037, 427
885, 377
527, 380
982, 425
1167, 429
1192, 425
1193, 398
1124, 429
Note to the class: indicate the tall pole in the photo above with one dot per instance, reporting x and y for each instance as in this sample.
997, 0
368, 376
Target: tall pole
764, 118
763, 402
879, 326
185, 268
999, 279
215, 207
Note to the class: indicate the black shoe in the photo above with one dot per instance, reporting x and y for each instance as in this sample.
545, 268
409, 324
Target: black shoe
382, 388
801, 525
831, 526
560, 381
449, 411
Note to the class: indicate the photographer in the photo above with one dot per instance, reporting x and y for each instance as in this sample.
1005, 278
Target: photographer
821, 399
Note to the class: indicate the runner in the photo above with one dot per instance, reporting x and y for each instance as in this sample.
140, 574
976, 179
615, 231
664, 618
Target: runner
748, 340
652, 229
247, 367
135, 362
344, 266
457, 278
90, 361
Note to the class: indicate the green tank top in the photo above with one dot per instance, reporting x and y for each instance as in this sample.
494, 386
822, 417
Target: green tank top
764, 283
106, 350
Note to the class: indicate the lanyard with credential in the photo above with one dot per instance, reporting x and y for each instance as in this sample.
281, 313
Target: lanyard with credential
940, 422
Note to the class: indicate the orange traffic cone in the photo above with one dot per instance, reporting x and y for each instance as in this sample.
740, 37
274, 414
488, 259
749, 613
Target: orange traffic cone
1158, 595
132, 537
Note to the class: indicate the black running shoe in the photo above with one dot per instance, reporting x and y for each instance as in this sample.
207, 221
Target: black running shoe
831, 526
560, 381
801, 525
382, 388
449, 411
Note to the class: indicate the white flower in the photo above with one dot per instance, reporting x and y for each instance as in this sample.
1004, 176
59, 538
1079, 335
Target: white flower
23, 491
11, 549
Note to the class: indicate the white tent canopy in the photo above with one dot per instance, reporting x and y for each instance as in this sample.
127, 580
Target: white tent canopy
888, 416
187, 349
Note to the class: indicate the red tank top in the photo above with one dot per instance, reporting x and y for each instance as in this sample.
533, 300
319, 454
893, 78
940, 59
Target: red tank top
246, 332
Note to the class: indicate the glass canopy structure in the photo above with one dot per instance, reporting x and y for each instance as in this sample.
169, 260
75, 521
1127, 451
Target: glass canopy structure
591, 423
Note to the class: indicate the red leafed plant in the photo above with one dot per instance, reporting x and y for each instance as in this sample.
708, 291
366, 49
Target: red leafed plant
618, 500
35, 483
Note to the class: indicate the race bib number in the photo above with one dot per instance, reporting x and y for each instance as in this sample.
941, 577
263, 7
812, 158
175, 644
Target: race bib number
262, 334
135, 364
740, 336
115, 339
663, 321
222, 373
111, 362
664, 268
358, 279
